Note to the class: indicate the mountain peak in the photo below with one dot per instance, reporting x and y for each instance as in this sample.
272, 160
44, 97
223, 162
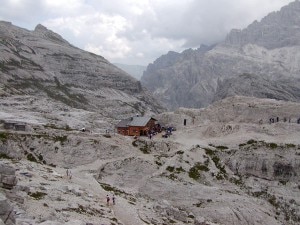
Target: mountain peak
277, 29
49, 35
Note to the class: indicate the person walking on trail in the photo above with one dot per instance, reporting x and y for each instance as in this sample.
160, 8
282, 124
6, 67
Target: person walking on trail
107, 199
114, 200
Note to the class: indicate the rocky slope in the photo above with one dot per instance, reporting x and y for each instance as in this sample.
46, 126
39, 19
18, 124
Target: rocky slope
269, 49
228, 165
40, 68
261, 87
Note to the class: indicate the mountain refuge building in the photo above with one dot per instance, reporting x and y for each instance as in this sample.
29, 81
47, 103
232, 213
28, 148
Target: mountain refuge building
136, 126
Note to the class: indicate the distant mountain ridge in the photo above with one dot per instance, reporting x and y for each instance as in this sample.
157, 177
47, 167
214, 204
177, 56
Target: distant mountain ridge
134, 70
43, 65
270, 49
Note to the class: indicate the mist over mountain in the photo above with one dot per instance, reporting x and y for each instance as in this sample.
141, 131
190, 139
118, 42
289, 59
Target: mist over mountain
134, 70
269, 49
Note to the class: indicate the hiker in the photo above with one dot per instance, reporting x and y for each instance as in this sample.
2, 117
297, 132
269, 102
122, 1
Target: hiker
107, 199
67, 172
114, 199
70, 174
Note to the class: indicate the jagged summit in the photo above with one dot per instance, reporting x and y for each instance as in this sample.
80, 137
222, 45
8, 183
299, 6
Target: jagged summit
278, 29
49, 35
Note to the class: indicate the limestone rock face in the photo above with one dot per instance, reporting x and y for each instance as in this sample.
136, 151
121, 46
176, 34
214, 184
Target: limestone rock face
269, 49
258, 86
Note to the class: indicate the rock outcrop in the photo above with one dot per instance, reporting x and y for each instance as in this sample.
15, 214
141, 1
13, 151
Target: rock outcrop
7, 176
269, 49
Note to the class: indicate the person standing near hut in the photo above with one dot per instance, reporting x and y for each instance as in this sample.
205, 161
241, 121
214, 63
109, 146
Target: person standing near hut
107, 199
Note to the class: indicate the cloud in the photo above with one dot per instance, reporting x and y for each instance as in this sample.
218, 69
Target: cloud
138, 31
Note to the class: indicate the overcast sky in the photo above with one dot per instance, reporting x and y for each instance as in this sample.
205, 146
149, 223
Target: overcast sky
137, 31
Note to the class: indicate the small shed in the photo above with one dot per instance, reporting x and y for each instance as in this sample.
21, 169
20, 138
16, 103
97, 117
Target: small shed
136, 126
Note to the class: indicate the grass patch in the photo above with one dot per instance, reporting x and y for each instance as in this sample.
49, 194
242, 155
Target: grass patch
37, 195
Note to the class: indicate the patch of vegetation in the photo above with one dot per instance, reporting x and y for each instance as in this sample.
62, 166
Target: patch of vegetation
146, 148
180, 152
134, 143
109, 188
238, 182
273, 201
31, 158
198, 204
222, 174
60, 139
3, 136
37, 195
107, 135
158, 163
209, 151
170, 168
54, 90
251, 141
290, 146
4, 156
172, 176
179, 169
195, 171
272, 145
221, 147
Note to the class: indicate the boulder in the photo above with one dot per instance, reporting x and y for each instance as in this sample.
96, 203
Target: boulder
7, 176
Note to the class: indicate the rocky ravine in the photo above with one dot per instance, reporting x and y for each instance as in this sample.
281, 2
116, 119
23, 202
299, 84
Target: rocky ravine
228, 165
269, 49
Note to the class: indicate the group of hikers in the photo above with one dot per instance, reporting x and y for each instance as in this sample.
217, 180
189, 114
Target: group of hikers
113, 198
274, 120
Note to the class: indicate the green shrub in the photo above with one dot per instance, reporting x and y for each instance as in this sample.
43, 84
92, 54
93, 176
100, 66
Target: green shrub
31, 158
221, 147
272, 145
134, 143
209, 151
194, 171
290, 146
37, 195
4, 156
170, 168
251, 141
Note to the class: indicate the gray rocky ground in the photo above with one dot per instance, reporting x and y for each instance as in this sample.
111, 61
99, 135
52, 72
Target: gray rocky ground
228, 165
